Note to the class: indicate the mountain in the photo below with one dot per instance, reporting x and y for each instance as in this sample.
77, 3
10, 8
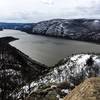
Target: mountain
27, 27
63, 78
88, 90
78, 29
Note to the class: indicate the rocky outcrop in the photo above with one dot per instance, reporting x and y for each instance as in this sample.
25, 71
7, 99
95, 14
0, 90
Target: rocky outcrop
88, 90
52, 91
64, 77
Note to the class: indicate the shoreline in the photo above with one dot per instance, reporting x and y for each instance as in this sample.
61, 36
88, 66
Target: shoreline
16, 52
65, 38
16, 69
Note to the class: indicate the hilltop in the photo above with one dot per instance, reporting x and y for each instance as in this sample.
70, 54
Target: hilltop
77, 29
64, 77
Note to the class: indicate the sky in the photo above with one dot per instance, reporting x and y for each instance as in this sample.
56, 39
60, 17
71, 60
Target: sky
39, 10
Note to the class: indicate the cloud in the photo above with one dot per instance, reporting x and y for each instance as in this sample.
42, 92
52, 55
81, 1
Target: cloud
37, 10
49, 2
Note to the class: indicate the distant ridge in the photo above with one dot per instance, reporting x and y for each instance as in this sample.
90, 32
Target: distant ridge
75, 29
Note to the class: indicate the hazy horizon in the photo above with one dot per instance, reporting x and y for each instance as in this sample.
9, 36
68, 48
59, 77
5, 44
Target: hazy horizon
32, 11
47, 20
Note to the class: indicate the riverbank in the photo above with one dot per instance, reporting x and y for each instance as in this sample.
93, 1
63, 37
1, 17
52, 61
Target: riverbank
16, 69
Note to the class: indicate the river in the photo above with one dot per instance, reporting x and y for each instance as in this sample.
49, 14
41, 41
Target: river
48, 50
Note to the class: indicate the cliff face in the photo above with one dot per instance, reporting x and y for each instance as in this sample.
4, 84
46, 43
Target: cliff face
16, 70
80, 29
88, 90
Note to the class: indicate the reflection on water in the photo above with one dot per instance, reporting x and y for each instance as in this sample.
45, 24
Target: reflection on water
48, 50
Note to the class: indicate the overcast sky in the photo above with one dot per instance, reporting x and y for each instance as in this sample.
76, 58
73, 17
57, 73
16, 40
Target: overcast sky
38, 10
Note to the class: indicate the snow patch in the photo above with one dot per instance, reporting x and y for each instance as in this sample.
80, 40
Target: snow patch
74, 70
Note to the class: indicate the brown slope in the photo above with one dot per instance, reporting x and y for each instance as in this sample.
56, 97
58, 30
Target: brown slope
88, 90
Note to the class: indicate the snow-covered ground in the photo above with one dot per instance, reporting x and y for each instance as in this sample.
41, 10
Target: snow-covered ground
74, 70
80, 29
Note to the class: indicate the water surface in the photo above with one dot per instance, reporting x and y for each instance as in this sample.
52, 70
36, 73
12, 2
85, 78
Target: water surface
48, 50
